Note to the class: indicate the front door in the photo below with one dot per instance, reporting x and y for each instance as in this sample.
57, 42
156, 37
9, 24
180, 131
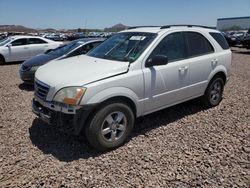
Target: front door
167, 84
18, 51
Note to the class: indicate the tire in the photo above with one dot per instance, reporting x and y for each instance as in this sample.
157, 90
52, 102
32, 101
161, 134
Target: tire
213, 93
2, 60
110, 126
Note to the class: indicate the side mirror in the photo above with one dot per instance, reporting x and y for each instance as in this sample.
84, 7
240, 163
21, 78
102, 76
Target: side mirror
156, 60
8, 45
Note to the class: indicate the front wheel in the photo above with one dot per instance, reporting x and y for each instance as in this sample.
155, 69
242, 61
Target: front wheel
213, 93
2, 61
110, 126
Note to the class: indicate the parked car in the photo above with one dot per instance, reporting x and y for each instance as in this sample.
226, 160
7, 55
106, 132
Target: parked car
134, 73
239, 37
54, 37
78, 47
231, 40
20, 48
246, 41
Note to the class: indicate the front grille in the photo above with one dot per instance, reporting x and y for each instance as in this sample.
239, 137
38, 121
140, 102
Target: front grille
41, 89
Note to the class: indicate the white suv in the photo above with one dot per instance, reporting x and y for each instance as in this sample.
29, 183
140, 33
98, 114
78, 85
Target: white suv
20, 48
134, 73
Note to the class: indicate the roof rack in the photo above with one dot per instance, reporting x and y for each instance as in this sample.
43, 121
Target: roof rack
168, 26
134, 27
186, 25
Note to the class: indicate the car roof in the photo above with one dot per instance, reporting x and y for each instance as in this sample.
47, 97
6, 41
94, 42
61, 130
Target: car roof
90, 39
24, 36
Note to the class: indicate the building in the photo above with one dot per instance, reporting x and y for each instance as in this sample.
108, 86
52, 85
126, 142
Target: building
234, 23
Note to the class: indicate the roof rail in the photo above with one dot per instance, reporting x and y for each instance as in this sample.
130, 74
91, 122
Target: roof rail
187, 25
134, 27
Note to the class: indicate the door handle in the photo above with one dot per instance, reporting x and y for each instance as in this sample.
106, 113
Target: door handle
183, 68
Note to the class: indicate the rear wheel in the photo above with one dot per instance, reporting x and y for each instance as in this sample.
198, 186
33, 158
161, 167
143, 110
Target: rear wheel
213, 93
110, 126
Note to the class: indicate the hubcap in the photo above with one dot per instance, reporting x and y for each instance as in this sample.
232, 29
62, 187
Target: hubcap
114, 126
216, 92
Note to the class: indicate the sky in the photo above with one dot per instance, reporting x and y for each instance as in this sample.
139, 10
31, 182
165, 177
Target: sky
98, 14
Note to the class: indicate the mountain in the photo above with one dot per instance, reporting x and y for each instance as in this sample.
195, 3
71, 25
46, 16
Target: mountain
116, 28
20, 28
16, 28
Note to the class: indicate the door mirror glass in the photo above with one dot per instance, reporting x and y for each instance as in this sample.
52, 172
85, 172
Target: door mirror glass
156, 60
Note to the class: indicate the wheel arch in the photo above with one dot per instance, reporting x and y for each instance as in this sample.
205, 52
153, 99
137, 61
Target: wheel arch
120, 99
115, 94
220, 71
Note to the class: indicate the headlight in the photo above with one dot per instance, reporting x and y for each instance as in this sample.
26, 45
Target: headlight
34, 68
70, 95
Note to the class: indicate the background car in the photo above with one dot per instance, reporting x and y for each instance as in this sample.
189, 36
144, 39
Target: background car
231, 40
76, 47
246, 40
20, 48
54, 37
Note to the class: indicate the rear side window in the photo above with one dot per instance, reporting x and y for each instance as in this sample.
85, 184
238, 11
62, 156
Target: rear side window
197, 44
172, 46
36, 41
220, 39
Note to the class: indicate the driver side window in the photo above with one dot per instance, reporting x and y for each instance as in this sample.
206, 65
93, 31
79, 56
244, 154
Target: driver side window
172, 46
19, 42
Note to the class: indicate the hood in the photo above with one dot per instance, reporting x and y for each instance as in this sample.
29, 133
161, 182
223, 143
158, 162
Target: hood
78, 71
39, 60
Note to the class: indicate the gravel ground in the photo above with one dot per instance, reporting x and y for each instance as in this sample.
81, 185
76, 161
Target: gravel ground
182, 146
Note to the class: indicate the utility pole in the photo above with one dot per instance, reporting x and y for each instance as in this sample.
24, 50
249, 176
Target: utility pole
85, 26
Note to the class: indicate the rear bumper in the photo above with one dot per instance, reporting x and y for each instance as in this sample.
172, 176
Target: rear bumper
77, 117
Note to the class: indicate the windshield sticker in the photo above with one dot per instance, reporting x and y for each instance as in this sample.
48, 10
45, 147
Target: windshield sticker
137, 38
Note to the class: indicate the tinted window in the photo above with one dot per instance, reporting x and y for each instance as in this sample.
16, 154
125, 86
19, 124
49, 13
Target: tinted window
220, 39
19, 42
36, 41
81, 50
4, 41
65, 48
95, 44
197, 44
78, 51
87, 48
172, 46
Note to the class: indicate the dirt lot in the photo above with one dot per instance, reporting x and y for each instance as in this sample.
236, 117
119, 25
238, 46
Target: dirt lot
184, 146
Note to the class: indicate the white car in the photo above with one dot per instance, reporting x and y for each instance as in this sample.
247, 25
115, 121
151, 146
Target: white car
134, 73
20, 48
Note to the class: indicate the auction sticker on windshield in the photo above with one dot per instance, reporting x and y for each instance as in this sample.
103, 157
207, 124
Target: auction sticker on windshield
137, 38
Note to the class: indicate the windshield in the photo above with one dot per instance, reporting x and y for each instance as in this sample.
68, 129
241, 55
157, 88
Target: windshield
65, 48
123, 46
4, 41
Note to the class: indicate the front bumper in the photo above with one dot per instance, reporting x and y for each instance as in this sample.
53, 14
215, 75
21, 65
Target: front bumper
27, 76
57, 114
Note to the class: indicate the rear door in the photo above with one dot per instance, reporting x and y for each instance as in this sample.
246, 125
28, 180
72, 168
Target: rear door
18, 51
36, 46
202, 61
